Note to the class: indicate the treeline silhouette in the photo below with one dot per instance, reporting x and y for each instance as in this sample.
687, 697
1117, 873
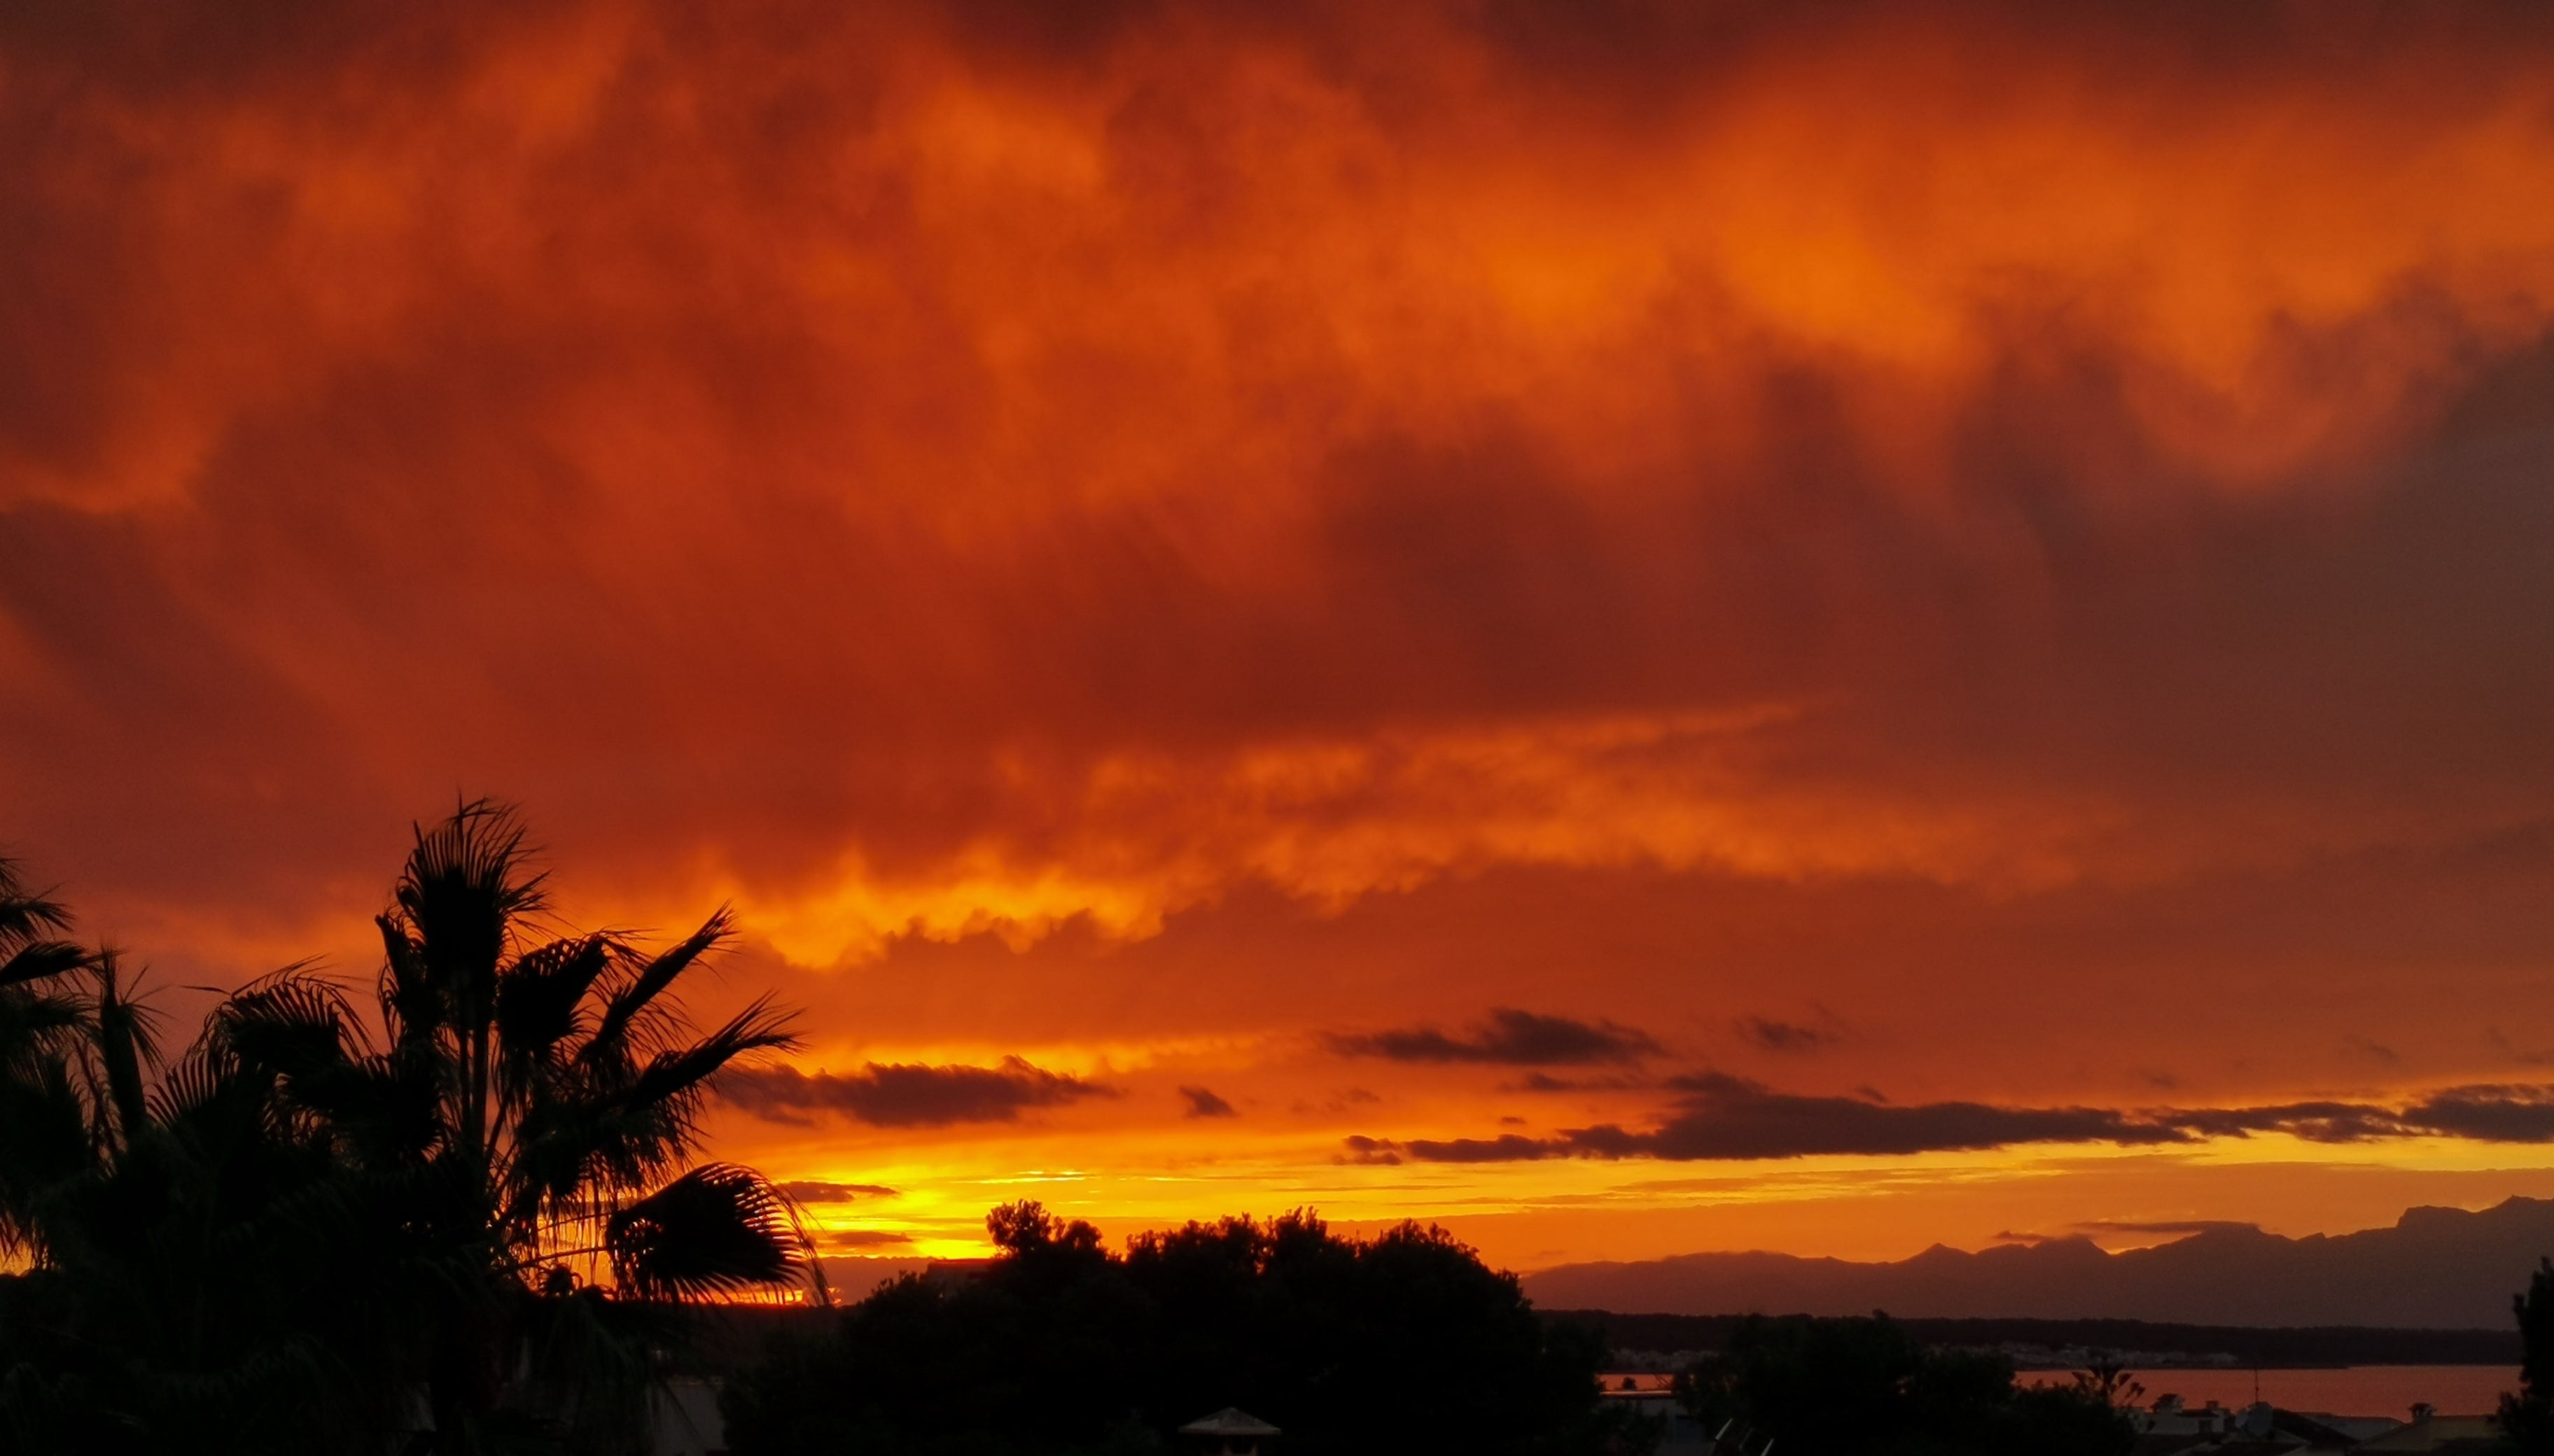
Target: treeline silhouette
1403, 1342
461, 1218
1869, 1386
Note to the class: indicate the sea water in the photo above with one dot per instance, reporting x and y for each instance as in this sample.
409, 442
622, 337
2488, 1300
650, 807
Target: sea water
2355, 1389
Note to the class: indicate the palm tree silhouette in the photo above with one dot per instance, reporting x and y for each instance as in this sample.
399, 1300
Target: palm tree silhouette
43, 1026
169, 1283
531, 1116
481, 1188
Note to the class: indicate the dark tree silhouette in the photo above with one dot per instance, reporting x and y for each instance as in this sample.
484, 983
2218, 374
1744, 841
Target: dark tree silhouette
2107, 1382
1868, 1388
45, 1020
484, 1193
533, 1112
1405, 1342
2528, 1417
185, 1282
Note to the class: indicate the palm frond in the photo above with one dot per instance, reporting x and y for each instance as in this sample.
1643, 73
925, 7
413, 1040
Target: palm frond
208, 1099
651, 980
412, 1005
625, 1134
576, 1157
28, 915
36, 1025
289, 1024
539, 996
36, 960
465, 884
383, 1110
717, 1229
188, 1083
760, 1027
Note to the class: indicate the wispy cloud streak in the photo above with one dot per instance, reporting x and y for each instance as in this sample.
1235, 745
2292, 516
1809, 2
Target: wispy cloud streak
1722, 1118
906, 1094
1508, 1037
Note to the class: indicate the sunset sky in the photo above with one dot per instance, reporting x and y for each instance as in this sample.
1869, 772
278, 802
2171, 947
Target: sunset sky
1634, 627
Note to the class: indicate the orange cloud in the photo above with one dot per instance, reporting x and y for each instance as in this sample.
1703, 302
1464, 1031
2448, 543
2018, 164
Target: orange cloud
1146, 540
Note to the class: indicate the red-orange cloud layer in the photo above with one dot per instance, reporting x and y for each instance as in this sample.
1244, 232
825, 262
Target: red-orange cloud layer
1978, 554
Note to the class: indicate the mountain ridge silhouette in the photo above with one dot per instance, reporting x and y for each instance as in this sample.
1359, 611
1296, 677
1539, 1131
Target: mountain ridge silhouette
2434, 1267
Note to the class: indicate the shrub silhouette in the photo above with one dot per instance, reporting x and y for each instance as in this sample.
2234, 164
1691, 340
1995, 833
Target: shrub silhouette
1405, 1342
1868, 1388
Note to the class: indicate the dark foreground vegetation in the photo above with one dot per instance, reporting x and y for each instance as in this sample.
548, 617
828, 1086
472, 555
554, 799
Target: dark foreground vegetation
1871, 1388
459, 1219
2528, 1413
1400, 1343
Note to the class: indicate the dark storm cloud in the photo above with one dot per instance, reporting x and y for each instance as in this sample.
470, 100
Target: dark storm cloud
1204, 1103
1781, 1035
1541, 1081
1509, 1038
2315, 1122
862, 1238
908, 1094
1506, 1148
1365, 1150
816, 1191
2488, 1114
1726, 1118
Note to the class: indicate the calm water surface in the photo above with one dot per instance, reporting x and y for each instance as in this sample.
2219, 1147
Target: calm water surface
2358, 1390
